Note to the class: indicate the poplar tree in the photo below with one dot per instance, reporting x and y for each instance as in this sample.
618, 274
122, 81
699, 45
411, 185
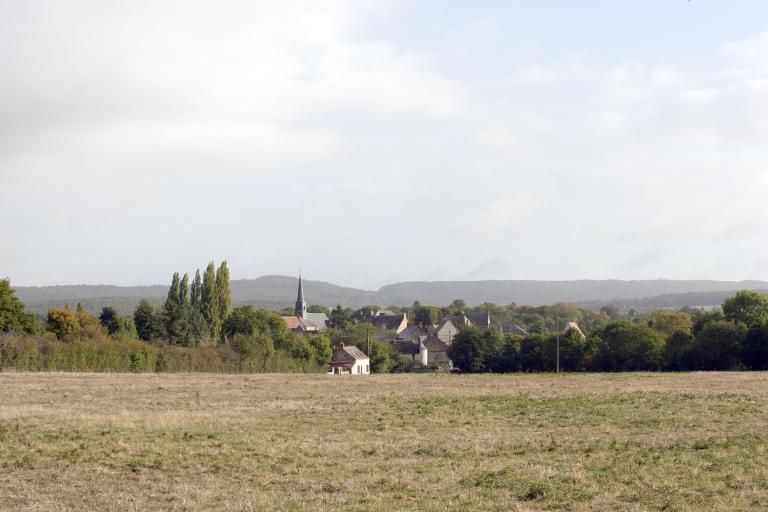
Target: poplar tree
197, 288
209, 299
184, 291
172, 302
223, 290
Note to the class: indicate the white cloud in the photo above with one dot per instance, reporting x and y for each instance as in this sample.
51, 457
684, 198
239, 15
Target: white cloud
287, 136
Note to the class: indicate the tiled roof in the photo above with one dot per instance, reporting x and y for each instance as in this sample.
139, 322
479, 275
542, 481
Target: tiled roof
354, 352
292, 322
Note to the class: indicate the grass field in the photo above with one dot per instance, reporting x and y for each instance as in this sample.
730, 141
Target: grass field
389, 442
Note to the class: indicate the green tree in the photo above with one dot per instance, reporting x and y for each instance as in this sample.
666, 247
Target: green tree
142, 319
126, 328
754, 350
679, 351
467, 351
572, 347
318, 308
322, 347
425, 315
612, 311
108, 319
172, 306
243, 320
625, 346
223, 291
718, 345
458, 306
748, 307
13, 318
669, 322
339, 318
196, 290
702, 317
381, 356
184, 291
209, 298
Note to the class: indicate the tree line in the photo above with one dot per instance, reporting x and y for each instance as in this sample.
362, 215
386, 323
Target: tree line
196, 329
734, 338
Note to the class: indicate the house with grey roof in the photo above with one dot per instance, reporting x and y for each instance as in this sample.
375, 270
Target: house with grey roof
387, 320
349, 360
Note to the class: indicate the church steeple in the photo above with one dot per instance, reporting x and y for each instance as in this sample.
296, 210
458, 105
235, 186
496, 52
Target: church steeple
301, 306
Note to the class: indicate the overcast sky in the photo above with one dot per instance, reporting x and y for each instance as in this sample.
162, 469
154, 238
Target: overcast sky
372, 142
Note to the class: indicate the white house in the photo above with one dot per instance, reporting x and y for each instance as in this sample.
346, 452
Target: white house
349, 360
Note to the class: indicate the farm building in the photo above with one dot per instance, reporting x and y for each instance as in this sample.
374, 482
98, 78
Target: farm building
349, 360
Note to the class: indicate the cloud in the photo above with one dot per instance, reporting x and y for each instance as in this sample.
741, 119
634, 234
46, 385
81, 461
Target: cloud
300, 134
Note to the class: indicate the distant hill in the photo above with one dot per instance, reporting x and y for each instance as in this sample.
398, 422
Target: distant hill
669, 301
280, 291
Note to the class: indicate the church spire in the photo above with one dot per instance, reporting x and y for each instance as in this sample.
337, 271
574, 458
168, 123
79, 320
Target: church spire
301, 306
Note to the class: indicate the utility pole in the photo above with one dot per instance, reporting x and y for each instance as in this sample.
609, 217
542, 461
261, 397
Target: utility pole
368, 339
557, 328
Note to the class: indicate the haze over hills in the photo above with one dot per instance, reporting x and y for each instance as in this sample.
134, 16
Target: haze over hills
280, 291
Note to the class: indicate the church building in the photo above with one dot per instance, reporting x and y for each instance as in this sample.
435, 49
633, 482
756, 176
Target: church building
303, 321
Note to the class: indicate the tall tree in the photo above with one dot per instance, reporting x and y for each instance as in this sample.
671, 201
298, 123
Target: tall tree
338, 319
184, 291
195, 292
13, 318
142, 318
223, 291
108, 319
209, 300
172, 302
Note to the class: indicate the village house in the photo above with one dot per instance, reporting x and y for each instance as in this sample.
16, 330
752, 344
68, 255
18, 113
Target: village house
349, 360
427, 346
302, 321
433, 353
387, 320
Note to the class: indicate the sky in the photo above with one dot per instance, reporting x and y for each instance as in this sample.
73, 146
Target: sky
371, 142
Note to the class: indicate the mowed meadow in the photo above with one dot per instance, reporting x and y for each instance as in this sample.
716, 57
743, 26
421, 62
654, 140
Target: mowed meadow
696, 441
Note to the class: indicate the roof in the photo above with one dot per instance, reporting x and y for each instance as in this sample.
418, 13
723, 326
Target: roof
513, 329
460, 320
342, 352
407, 347
413, 332
481, 320
319, 320
353, 351
292, 322
574, 326
435, 344
387, 322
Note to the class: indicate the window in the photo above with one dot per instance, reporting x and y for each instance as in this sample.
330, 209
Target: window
366, 369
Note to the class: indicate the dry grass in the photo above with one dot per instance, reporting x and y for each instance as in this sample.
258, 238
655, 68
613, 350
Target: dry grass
429, 442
